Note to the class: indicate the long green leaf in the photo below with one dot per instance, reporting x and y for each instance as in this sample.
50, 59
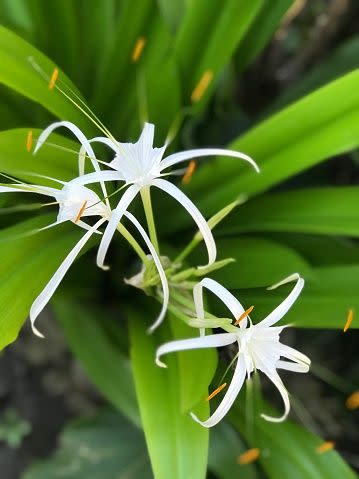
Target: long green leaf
177, 445
331, 211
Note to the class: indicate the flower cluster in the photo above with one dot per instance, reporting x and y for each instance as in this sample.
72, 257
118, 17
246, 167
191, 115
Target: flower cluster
137, 167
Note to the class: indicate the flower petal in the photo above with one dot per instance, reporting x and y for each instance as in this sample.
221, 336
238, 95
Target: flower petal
293, 354
278, 313
114, 220
202, 224
98, 139
187, 155
25, 188
230, 396
160, 270
211, 341
98, 176
222, 293
295, 367
44, 297
273, 376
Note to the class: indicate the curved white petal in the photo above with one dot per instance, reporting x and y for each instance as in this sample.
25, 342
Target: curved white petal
98, 139
79, 135
44, 297
222, 293
276, 380
86, 227
24, 188
98, 176
293, 354
230, 396
278, 313
187, 155
211, 341
114, 220
192, 209
295, 367
160, 270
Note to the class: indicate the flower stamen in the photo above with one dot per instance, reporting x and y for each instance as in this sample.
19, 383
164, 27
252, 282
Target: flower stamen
138, 49
201, 86
80, 213
245, 313
352, 401
189, 172
349, 320
216, 391
325, 447
53, 78
29, 141
249, 456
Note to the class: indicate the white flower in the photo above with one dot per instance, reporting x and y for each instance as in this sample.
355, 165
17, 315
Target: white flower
76, 201
140, 166
259, 347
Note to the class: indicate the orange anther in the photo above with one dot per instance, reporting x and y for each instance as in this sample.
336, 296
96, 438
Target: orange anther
249, 456
325, 447
53, 78
138, 49
29, 141
352, 401
349, 320
189, 172
216, 391
202, 86
244, 315
79, 214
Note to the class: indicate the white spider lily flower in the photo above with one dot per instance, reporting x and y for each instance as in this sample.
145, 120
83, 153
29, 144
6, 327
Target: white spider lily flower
74, 201
259, 346
140, 165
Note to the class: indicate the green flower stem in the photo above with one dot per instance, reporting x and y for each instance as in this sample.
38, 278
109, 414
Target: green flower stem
128, 236
147, 205
187, 250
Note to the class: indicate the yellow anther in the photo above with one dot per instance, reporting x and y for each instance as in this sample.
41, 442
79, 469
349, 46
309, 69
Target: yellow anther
349, 320
29, 141
352, 401
189, 172
216, 391
325, 447
246, 313
53, 78
202, 86
249, 456
138, 49
80, 213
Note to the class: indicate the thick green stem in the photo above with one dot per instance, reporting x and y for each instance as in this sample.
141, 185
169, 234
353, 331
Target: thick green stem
147, 205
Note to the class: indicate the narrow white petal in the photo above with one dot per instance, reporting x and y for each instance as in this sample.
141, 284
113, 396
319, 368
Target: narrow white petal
86, 227
115, 219
44, 297
222, 293
160, 270
99, 139
187, 155
295, 367
293, 354
98, 176
202, 224
211, 341
230, 396
278, 313
25, 188
276, 380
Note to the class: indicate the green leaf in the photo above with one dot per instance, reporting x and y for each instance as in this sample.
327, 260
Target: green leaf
331, 211
225, 446
287, 143
105, 447
172, 12
258, 262
17, 161
261, 31
327, 297
288, 450
27, 265
17, 73
102, 359
177, 445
